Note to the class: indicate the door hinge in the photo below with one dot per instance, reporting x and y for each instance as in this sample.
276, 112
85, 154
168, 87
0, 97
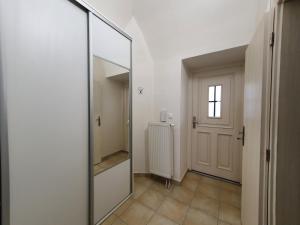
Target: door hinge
272, 39
268, 155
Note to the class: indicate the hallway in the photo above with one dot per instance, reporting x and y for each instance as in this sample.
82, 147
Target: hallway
149, 112
198, 200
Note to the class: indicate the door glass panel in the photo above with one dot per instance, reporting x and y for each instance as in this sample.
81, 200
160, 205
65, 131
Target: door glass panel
214, 101
211, 93
211, 109
218, 93
218, 110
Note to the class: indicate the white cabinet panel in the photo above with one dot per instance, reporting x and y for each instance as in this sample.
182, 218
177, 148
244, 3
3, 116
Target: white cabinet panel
108, 43
111, 187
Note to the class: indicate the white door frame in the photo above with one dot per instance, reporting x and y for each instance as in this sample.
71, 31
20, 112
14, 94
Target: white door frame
270, 114
278, 19
267, 117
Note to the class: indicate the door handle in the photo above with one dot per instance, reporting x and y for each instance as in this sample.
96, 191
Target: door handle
243, 136
99, 121
195, 122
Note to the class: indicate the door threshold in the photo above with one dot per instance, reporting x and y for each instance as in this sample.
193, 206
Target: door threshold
216, 178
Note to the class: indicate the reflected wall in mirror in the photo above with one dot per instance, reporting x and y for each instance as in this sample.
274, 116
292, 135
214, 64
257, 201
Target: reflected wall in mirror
111, 114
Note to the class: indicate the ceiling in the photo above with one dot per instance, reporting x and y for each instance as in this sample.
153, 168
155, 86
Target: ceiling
188, 28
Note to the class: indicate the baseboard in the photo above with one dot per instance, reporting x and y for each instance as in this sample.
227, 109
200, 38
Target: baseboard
217, 178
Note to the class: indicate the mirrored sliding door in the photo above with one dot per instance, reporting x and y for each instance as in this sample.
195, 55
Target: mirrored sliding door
110, 127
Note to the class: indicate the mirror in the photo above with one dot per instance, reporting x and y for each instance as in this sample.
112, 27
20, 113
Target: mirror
110, 114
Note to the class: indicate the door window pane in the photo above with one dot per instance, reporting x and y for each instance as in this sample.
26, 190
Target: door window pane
211, 109
218, 93
218, 109
211, 93
214, 101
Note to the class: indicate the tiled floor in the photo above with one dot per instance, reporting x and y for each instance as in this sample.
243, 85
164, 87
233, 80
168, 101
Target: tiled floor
110, 161
198, 200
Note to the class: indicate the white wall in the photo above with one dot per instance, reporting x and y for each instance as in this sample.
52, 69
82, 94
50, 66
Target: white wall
167, 95
142, 111
184, 121
262, 7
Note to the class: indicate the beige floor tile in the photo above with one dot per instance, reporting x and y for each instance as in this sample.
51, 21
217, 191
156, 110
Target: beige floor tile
211, 181
137, 214
190, 183
231, 187
194, 176
139, 189
173, 210
118, 222
206, 204
196, 217
209, 190
147, 181
182, 194
123, 207
230, 214
110, 220
231, 197
160, 220
151, 198
160, 187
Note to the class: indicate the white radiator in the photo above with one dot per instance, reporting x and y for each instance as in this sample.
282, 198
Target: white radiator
161, 149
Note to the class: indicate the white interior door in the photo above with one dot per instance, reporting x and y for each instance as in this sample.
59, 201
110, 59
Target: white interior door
217, 115
254, 70
97, 121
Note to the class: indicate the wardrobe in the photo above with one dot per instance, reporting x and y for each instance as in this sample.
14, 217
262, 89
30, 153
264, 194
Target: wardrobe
47, 57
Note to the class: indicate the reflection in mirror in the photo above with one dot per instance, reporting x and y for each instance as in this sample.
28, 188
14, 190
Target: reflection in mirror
111, 114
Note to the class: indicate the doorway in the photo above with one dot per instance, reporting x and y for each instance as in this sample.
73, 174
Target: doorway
217, 110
